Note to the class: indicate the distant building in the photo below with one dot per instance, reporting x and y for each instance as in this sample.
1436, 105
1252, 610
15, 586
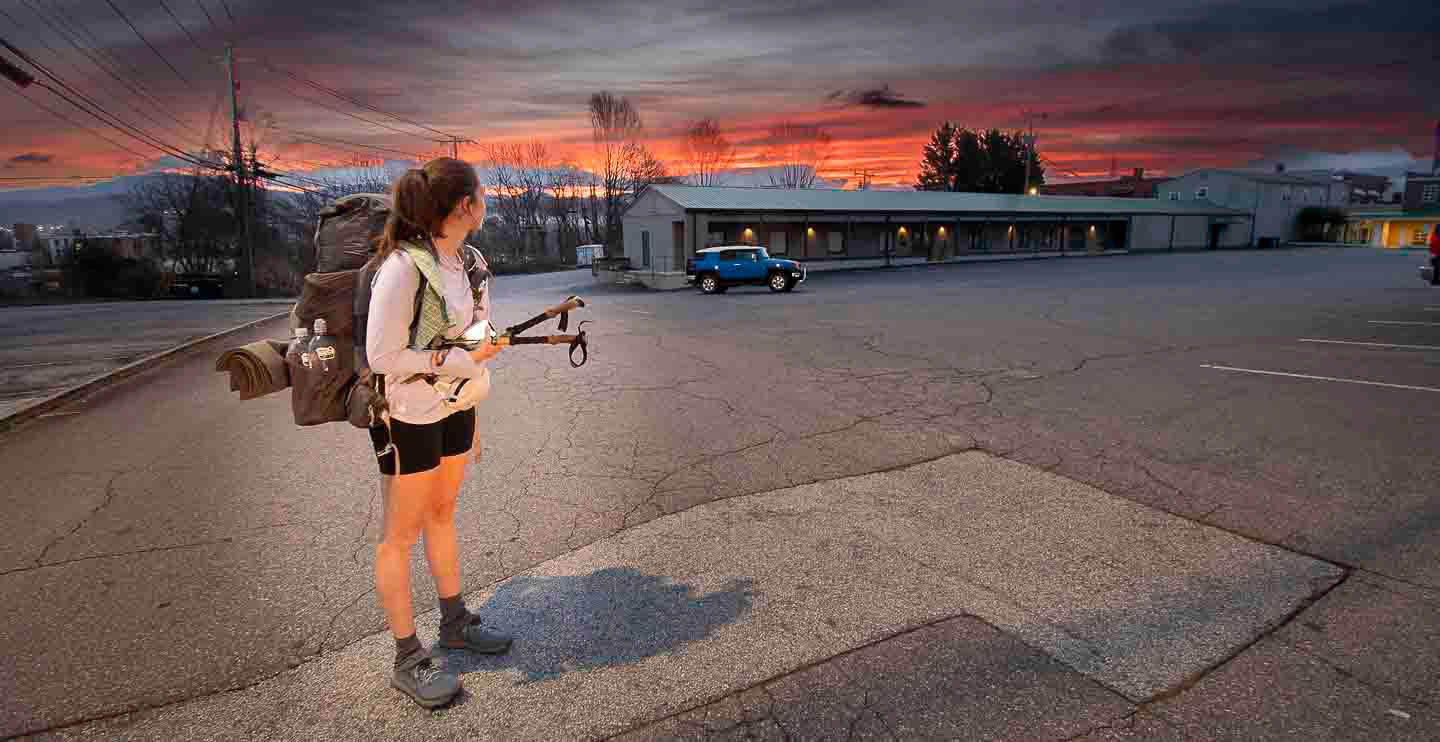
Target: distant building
1274, 198
1135, 185
1407, 224
668, 223
126, 245
1360, 188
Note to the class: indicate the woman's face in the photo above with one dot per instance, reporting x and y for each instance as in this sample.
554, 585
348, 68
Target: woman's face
474, 209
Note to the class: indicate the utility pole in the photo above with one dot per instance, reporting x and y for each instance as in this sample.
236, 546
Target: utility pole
238, 162
864, 176
455, 143
1029, 146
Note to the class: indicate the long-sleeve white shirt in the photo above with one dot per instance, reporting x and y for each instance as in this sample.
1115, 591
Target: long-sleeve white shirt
387, 336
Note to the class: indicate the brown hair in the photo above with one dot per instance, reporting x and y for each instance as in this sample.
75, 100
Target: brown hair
423, 198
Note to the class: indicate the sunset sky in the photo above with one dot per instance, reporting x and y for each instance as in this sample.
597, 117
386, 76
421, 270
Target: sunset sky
1159, 84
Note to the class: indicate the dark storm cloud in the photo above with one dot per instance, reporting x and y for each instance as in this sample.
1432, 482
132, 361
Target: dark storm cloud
31, 158
881, 97
1238, 33
1120, 75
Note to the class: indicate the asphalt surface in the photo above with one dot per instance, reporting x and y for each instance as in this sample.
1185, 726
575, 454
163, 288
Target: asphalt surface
45, 349
730, 594
199, 544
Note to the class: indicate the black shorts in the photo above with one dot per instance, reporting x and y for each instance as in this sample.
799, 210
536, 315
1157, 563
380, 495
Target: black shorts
422, 446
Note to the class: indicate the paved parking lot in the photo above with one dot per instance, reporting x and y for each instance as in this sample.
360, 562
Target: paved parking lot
218, 548
44, 349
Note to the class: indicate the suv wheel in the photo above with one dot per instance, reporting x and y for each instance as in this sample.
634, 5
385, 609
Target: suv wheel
779, 282
709, 284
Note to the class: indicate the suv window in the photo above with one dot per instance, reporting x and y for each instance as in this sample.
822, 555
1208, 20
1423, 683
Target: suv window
726, 255
749, 256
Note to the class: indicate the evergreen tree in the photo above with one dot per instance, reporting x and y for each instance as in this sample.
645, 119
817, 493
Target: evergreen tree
957, 159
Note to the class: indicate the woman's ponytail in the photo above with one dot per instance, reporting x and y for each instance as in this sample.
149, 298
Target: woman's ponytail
422, 199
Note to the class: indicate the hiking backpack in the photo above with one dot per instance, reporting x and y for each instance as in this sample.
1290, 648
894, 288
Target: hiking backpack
341, 296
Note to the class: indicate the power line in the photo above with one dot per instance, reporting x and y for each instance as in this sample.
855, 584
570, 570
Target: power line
176, 18
352, 101
142, 135
59, 177
331, 141
75, 39
211, 18
226, 6
273, 179
72, 122
168, 149
356, 117
123, 17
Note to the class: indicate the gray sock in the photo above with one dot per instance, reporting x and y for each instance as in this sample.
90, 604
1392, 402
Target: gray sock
452, 609
406, 649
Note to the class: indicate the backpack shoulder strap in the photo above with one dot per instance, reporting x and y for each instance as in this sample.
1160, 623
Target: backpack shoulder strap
477, 271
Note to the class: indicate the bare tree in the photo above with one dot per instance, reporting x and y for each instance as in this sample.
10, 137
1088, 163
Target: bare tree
708, 153
519, 179
799, 151
194, 216
624, 166
567, 207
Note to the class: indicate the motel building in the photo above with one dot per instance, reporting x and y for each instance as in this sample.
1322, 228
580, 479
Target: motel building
829, 228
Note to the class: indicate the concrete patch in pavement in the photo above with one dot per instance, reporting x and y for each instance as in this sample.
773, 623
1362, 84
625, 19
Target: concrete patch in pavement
959, 678
29, 409
692, 607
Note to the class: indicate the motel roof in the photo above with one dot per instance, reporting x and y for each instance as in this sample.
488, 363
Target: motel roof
733, 199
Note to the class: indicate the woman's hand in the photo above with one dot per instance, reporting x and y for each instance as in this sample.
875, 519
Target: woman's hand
485, 352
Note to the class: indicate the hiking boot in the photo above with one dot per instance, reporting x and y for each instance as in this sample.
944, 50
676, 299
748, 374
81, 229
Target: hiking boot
425, 682
472, 635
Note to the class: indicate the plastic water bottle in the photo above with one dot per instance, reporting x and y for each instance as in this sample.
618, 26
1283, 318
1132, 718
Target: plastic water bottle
323, 349
298, 345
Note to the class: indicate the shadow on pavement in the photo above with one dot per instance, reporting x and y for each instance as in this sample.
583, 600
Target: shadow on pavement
614, 616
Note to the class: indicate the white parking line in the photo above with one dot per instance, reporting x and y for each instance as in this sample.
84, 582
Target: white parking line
1398, 322
1321, 378
1372, 345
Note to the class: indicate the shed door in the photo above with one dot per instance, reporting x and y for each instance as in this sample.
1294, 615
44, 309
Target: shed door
777, 244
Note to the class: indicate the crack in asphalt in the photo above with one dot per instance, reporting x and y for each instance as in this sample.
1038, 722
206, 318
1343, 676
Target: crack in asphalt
154, 549
109, 497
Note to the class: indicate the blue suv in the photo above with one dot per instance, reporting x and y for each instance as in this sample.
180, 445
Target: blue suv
715, 269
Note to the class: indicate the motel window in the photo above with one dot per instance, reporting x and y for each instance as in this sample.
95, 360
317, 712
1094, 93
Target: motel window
1174, 195
644, 249
1422, 236
1202, 193
715, 238
1431, 193
1285, 193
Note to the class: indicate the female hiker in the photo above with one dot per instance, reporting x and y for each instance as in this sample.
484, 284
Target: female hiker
434, 208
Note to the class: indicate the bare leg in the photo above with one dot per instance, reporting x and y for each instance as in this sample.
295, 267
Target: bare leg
406, 500
441, 547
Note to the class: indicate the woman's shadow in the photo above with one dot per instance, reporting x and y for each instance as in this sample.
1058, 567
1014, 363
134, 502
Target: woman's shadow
615, 616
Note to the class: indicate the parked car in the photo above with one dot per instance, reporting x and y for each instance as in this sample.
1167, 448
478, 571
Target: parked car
1427, 273
715, 269
586, 255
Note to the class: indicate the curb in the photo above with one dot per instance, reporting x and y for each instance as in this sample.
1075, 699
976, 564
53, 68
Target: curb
65, 396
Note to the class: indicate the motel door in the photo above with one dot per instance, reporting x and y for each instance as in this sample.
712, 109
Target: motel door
777, 244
